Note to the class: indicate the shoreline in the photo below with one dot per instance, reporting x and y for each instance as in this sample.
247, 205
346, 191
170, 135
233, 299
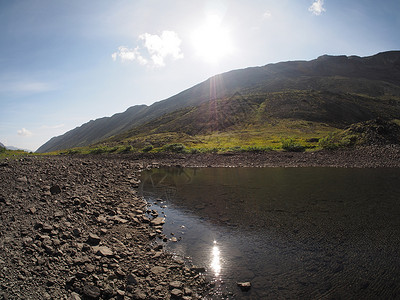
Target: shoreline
387, 156
75, 227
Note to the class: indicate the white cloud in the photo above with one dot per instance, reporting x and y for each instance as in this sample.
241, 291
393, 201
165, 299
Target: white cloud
24, 132
160, 47
267, 14
157, 48
317, 7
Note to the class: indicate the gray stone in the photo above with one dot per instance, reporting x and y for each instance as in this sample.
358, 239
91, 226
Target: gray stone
139, 294
55, 189
93, 239
91, 291
131, 279
157, 221
103, 250
175, 284
176, 293
158, 270
22, 179
74, 296
244, 286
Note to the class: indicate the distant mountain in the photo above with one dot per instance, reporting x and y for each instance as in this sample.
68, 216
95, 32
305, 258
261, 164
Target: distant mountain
16, 148
337, 90
2, 146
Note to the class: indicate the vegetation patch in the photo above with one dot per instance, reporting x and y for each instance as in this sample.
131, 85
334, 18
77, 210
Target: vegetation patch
291, 145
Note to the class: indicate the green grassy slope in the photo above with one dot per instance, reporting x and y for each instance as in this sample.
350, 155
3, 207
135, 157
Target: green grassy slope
331, 91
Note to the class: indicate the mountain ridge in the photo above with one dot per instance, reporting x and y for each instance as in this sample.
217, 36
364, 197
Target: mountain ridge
376, 77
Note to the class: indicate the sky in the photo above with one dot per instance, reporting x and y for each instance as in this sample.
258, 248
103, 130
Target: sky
66, 62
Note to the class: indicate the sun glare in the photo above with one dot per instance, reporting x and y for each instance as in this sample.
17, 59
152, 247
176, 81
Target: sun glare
212, 41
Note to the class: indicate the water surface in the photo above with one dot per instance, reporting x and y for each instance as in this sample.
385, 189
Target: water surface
292, 232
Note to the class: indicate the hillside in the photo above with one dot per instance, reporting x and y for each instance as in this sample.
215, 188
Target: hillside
334, 90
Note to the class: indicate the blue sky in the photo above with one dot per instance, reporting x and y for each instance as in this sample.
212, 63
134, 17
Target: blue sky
65, 62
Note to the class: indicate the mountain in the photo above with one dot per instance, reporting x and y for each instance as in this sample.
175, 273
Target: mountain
16, 148
337, 90
2, 146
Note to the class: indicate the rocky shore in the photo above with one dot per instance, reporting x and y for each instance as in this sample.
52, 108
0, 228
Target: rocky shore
75, 227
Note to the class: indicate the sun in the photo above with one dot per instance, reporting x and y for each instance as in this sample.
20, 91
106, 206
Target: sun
212, 41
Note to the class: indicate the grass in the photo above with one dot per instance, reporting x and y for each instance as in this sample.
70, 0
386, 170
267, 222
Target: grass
276, 135
13, 154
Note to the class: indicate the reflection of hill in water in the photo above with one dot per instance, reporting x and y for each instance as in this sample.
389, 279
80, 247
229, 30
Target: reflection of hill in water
300, 232
292, 200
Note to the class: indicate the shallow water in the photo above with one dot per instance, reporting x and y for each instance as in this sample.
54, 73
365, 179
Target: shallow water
292, 232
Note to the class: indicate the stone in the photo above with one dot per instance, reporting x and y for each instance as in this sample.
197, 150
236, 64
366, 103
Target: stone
90, 268
22, 179
93, 239
103, 251
244, 286
55, 189
175, 284
176, 293
139, 294
157, 221
76, 232
131, 279
74, 296
198, 269
120, 273
91, 291
47, 227
158, 270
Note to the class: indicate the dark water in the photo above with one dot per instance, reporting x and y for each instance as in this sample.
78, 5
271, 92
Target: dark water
302, 233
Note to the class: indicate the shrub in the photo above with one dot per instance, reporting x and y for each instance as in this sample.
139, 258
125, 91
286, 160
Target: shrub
147, 148
334, 141
98, 151
175, 148
73, 151
194, 151
127, 149
291, 145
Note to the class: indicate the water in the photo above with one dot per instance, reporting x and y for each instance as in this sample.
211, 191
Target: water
292, 232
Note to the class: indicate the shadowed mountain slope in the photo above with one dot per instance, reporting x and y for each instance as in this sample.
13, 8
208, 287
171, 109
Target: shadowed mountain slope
337, 90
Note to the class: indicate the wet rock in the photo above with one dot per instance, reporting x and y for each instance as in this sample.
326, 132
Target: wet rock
198, 269
244, 286
157, 221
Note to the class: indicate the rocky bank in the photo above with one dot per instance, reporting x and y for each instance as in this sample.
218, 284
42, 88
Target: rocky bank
75, 228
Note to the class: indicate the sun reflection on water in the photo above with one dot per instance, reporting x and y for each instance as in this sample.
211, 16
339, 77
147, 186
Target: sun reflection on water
216, 260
